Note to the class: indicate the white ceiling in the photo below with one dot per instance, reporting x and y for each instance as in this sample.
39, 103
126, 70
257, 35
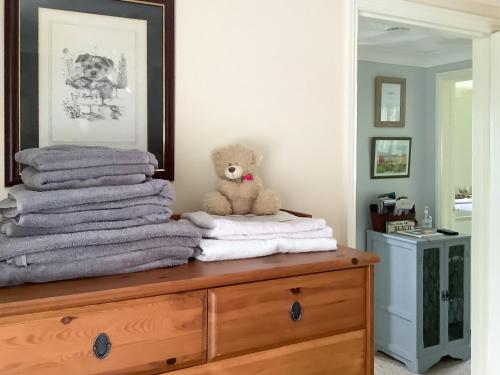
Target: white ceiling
414, 46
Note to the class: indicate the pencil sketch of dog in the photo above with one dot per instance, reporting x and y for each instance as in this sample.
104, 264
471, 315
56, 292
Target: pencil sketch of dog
92, 77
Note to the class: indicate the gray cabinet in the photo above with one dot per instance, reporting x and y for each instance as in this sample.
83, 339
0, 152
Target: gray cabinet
422, 297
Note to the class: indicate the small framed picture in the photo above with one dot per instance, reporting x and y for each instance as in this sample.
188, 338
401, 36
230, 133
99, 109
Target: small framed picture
390, 102
390, 157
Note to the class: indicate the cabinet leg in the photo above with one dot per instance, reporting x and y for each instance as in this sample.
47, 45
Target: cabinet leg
413, 366
460, 353
423, 364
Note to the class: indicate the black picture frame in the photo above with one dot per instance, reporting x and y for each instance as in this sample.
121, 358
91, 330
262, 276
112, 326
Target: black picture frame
395, 160
21, 73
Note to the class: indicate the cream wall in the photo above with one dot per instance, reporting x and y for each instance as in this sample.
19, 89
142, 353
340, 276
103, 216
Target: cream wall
269, 73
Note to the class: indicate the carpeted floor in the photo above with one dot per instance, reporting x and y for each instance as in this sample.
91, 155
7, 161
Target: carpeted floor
385, 365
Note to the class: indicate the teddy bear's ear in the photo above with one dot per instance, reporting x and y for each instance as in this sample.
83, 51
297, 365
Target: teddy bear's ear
217, 154
257, 157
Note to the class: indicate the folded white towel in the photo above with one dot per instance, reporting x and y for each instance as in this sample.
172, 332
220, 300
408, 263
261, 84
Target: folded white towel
326, 232
214, 250
214, 226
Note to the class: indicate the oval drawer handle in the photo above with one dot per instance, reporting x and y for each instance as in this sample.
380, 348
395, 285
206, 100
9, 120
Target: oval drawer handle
296, 311
67, 319
171, 361
102, 346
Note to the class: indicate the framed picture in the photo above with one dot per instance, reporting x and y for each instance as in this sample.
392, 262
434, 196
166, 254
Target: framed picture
390, 157
390, 102
89, 72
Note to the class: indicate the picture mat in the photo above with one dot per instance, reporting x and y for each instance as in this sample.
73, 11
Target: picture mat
390, 102
99, 35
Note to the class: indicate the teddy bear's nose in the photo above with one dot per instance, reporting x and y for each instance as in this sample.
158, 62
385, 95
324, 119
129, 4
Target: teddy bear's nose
231, 169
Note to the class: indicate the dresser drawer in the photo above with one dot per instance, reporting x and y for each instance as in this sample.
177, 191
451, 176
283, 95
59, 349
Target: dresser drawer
343, 354
149, 335
256, 316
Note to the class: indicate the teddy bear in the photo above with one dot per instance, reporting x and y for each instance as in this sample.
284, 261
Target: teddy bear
239, 190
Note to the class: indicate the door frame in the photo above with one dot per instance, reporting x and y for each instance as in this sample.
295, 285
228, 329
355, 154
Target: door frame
485, 178
445, 108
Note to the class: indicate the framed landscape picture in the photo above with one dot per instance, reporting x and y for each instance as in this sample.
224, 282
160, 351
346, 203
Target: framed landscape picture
390, 102
89, 72
390, 157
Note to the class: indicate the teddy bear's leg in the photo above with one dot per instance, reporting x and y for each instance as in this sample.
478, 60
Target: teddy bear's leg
267, 203
217, 204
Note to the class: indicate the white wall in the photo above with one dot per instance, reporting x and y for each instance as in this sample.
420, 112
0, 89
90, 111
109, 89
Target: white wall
270, 73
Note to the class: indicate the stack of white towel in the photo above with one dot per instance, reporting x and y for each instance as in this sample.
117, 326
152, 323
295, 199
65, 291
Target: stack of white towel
248, 236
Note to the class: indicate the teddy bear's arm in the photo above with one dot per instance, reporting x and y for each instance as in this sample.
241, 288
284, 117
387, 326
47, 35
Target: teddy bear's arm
267, 203
217, 204
241, 195
251, 189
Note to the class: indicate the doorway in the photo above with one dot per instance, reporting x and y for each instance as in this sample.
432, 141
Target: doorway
454, 150
486, 155
416, 56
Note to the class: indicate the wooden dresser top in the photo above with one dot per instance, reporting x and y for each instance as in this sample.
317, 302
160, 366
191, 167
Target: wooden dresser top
192, 276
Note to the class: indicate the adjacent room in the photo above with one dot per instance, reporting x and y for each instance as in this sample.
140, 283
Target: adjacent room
414, 171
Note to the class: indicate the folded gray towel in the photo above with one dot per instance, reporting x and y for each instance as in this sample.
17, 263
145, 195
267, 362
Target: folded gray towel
84, 177
55, 158
162, 263
11, 274
47, 177
21, 200
182, 233
124, 203
94, 216
93, 251
11, 229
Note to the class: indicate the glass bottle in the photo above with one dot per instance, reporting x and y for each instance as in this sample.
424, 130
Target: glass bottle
426, 219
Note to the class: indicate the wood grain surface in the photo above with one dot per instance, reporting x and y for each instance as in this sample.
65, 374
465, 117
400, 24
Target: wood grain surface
256, 316
342, 354
147, 335
192, 276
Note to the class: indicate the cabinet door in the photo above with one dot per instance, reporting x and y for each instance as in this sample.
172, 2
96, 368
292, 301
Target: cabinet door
457, 255
430, 289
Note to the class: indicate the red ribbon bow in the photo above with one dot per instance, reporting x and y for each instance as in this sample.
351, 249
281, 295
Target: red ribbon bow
248, 177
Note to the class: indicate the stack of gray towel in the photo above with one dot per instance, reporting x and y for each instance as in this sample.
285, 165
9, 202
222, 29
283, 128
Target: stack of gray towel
89, 211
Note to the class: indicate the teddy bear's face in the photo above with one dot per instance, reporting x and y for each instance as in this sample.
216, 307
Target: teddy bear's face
235, 162
233, 171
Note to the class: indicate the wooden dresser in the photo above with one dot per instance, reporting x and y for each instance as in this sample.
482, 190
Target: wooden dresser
279, 315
